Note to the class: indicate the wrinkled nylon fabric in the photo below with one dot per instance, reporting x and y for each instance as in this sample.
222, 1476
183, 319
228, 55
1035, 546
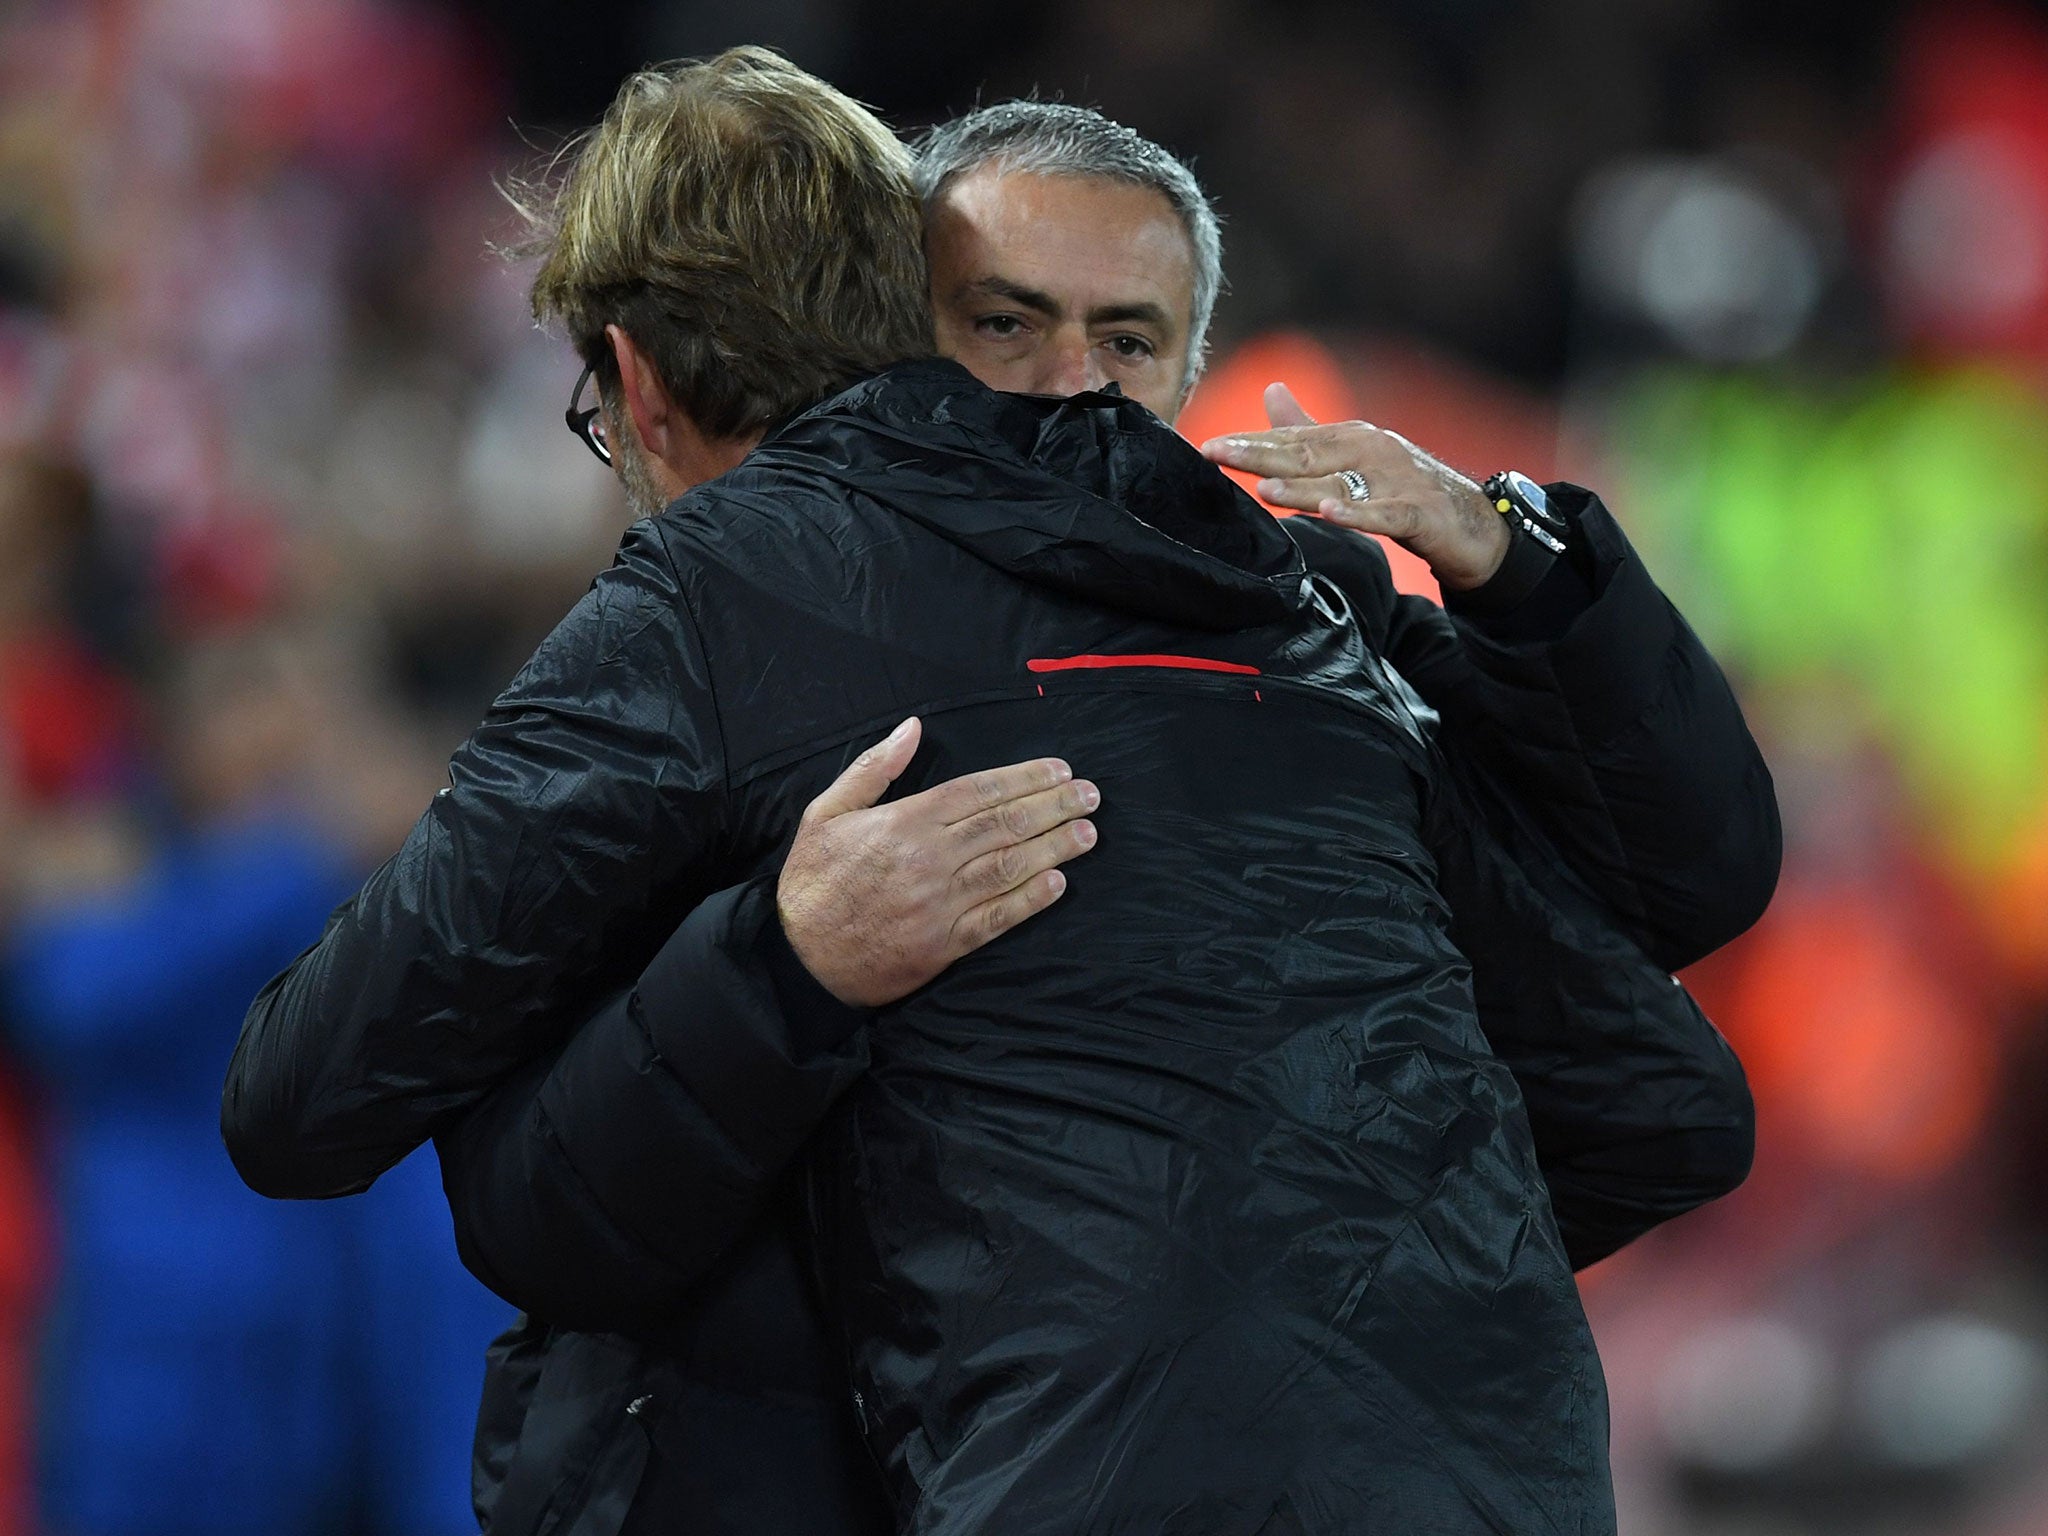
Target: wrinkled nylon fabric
1203, 1205
1235, 1224
1227, 1208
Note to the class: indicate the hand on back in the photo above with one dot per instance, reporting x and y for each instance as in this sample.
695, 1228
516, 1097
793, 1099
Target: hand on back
877, 900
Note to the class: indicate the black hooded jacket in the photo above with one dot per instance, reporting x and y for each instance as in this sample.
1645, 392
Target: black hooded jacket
1201, 1204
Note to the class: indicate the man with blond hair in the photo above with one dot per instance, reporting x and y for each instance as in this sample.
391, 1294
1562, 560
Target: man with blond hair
1202, 1204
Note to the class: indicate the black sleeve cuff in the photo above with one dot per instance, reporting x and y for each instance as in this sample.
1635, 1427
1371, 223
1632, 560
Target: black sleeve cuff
733, 947
1524, 568
1611, 660
817, 1020
1536, 595
744, 1027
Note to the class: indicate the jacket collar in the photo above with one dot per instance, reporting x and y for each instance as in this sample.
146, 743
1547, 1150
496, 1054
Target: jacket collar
1091, 495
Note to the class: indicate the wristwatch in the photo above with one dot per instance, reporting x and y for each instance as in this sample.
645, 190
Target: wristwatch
1526, 505
1536, 537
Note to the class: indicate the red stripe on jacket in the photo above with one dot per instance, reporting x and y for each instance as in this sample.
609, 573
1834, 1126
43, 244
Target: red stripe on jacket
1187, 663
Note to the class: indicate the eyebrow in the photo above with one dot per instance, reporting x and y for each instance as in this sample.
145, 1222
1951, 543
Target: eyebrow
1142, 312
1016, 293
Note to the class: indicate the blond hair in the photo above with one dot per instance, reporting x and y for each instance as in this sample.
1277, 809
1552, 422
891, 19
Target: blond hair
755, 231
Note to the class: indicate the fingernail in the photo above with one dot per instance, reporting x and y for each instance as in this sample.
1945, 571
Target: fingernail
1058, 882
1091, 797
1061, 772
1269, 487
903, 730
1084, 833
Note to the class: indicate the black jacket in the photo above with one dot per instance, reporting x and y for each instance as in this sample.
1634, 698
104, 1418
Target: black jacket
919, 544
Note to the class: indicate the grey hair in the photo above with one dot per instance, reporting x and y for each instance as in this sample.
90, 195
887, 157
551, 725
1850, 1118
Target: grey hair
1056, 138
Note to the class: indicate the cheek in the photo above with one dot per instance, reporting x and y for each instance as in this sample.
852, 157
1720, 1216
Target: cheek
1010, 366
1159, 396
949, 334
1157, 386
1154, 382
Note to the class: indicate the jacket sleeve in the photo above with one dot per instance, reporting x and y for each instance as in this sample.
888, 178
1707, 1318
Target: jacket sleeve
575, 825
1638, 1109
593, 1187
1618, 733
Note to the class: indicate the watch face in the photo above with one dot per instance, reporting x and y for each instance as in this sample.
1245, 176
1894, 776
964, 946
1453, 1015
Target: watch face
1532, 496
1535, 501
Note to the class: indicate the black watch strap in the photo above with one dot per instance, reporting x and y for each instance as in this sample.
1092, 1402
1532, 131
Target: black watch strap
1535, 540
1521, 572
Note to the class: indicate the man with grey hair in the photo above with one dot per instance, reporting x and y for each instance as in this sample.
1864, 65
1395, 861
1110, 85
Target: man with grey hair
1068, 254
1080, 145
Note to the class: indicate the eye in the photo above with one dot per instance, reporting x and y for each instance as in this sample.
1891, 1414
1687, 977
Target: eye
1129, 347
1000, 327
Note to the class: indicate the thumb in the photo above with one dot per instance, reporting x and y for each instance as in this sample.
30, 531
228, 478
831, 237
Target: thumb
1283, 410
868, 777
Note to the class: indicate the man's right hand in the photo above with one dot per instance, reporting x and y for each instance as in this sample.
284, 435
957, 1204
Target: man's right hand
876, 900
1419, 502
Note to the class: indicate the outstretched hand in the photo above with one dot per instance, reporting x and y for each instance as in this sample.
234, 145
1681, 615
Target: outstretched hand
876, 900
1423, 505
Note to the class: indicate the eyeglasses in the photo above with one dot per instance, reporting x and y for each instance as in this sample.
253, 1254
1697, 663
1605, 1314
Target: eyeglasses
585, 420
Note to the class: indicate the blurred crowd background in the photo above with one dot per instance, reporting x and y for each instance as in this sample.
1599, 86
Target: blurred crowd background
285, 498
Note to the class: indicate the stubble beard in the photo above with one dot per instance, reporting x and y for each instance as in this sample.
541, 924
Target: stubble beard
643, 496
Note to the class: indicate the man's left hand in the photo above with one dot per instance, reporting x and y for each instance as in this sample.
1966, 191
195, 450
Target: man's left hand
1425, 506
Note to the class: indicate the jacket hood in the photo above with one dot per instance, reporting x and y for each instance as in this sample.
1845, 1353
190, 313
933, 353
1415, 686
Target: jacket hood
1090, 495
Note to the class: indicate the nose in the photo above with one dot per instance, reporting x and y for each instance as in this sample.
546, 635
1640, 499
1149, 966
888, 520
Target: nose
1071, 367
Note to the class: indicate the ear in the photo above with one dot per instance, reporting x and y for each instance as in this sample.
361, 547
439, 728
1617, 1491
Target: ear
644, 396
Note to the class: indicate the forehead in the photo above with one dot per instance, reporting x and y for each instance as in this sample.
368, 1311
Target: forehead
1081, 239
